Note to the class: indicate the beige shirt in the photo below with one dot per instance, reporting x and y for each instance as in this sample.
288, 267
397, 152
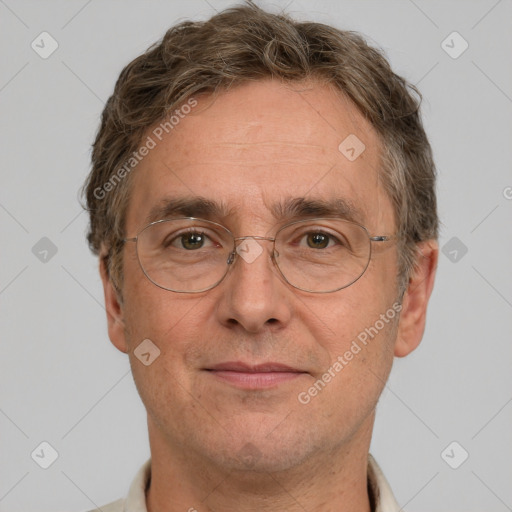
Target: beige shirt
135, 501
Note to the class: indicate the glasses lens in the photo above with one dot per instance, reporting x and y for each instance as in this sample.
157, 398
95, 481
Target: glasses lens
322, 255
184, 255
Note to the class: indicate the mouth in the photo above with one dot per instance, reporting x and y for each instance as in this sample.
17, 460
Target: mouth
261, 376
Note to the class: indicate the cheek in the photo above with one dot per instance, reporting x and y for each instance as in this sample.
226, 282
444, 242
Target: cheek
351, 384
356, 328
168, 322
151, 312
175, 323
342, 318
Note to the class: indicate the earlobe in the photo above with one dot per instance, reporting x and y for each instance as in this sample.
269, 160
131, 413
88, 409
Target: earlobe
114, 309
414, 305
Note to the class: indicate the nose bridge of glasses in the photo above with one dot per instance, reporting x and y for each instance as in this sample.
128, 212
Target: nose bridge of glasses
240, 238
249, 257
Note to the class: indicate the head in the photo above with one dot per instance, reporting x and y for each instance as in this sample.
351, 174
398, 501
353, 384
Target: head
248, 110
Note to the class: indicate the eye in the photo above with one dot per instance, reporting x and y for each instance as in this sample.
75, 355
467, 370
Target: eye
189, 240
192, 241
320, 240
317, 240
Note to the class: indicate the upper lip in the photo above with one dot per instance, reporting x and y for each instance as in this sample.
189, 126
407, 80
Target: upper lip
238, 366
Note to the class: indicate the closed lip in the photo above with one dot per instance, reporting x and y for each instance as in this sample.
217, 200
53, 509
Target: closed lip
238, 366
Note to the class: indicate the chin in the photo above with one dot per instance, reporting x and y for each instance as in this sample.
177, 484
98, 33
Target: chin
264, 453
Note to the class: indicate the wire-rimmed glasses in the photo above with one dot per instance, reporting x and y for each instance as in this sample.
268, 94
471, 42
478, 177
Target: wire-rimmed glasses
191, 255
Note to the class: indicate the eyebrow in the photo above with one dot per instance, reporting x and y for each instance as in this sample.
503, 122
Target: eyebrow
301, 207
187, 207
290, 209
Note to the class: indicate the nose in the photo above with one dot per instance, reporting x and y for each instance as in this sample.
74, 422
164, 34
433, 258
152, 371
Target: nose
253, 295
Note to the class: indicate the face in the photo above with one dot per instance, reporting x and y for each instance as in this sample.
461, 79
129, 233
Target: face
250, 149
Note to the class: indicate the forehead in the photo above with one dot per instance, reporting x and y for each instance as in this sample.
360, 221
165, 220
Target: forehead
257, 147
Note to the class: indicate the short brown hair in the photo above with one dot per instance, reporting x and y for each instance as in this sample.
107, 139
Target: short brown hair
246, 43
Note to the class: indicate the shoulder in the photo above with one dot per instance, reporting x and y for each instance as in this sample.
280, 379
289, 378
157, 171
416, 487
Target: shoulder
114, 506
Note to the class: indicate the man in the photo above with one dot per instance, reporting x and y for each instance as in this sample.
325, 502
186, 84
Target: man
262, 201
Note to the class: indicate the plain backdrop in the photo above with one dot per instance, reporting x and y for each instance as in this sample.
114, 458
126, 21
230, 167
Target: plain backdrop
61, 380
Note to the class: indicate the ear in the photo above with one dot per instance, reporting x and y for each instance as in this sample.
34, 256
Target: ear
414, 304
113, 307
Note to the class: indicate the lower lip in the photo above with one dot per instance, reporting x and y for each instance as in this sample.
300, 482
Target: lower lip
255, 380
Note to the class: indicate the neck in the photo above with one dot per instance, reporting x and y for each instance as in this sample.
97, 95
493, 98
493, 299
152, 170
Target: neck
334, 480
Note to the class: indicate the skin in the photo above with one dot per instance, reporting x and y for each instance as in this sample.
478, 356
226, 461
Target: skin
221, 448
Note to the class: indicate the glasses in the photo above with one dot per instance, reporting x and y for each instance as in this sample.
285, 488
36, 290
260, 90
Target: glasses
189, 255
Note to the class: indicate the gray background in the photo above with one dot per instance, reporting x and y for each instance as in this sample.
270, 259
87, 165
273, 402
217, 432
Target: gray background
61, 380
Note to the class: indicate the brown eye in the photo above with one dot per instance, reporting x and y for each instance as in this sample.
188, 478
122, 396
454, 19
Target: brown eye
318, 240
191, 241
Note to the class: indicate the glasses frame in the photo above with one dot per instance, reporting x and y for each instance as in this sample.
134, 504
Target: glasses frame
232, 255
